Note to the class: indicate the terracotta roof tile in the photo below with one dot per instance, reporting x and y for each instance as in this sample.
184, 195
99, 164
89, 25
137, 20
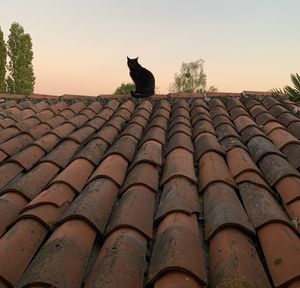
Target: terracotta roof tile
11, 204
62, 153
75, 174
289, 188
280, 168
266, 210
170, 253
112, 167
94, 204
124, 250
142, 174
251, 132
295, 129
221, 119
32, 183
93, 151
223, 209
73, 239
179, 195
179, 162
239, 161
234, 261
105, 182
134, 210
124, 146
259, 147
151, 152
16, 144
18, 247
179, 140
213, 169
206, 142
282, 255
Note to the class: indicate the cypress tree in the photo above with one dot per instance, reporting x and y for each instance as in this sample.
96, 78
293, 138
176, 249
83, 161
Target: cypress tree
2, 63
21, 77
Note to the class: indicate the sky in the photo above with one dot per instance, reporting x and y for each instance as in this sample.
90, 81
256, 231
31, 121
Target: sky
80, 46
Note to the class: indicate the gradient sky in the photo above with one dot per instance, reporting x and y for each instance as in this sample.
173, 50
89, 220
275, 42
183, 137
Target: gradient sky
80, 46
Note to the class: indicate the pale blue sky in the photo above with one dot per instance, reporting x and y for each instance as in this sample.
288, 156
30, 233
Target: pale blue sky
80, 47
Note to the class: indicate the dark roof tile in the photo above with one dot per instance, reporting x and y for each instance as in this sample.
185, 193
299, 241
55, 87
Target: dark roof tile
155, 133
179, 140
213, 169
170, 253
180, 112
62, 154
269, 102
124, 146
32, 183
287, 119
238, 112
275, 167
217, 111
182, 128
206, 142
179, 195
277, 110
39, 130
93, 151
251, 102
199, 102
259, 147
94, 204
233, 103
257, 110
295, 129
121, 261
264, 118
266, 210
134, 210
221, 119
251, 132
142, 174
230, 143
179, 162
226, 130
181, 103
292, 151
151, 152
202, 127
223, 209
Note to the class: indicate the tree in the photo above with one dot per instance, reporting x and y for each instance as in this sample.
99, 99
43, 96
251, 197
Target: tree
21, 77
125, 89
2, 63
292, 93
191, 78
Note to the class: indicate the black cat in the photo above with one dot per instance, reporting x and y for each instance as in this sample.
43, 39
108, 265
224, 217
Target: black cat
143, 79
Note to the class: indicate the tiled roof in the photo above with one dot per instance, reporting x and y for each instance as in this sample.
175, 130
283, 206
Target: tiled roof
166, 192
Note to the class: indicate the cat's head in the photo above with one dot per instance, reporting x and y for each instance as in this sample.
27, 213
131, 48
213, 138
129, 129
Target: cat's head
132, 63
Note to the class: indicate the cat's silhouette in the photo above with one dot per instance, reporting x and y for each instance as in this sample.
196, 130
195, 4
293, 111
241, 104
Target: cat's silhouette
143, 79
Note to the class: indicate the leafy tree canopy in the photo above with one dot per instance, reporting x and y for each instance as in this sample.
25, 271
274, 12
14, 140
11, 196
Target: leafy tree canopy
191, 78
125, 89
21, 77
3, 54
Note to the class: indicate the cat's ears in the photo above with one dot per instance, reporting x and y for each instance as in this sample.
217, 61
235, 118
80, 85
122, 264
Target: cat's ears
137, 58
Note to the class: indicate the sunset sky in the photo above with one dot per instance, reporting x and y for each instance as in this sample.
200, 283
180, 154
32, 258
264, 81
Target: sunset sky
80, 46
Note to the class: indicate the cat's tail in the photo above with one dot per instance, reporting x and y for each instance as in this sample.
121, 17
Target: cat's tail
141, 95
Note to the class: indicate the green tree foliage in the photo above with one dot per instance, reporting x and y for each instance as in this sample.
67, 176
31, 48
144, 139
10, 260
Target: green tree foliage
2, 63
191, 79
21, 77
292, 92
124, 89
